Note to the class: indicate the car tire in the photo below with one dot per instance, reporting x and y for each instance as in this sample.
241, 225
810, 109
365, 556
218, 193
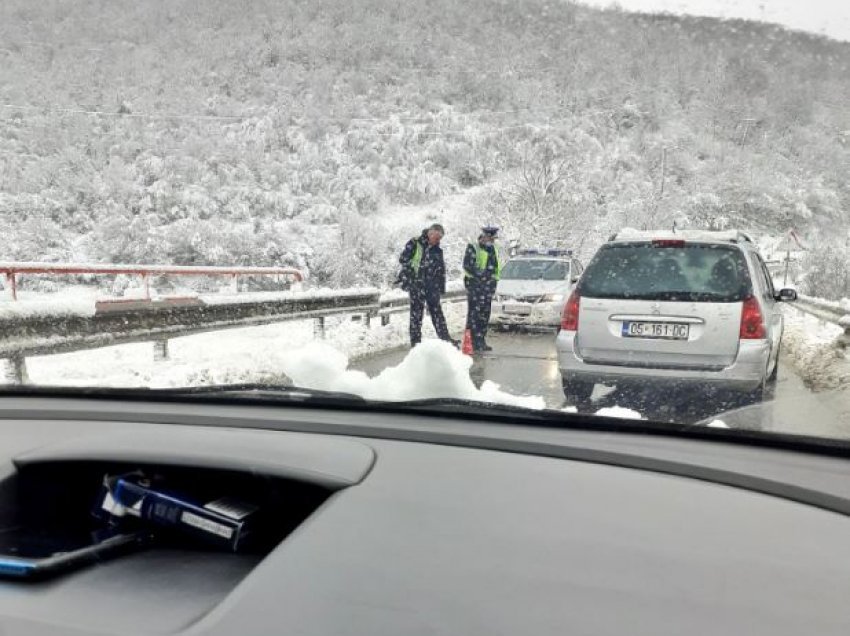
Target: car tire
764, 393
577, 392
774, 375
756, 396
767, 391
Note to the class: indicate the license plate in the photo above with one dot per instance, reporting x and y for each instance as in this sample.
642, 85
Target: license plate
664, 330
522, 310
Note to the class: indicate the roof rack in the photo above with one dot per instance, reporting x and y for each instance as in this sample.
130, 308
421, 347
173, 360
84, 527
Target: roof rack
733, 236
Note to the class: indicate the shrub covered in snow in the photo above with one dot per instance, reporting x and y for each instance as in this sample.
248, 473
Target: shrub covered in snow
827, 272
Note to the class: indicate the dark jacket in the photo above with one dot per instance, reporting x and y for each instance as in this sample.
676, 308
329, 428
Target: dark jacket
484, 276
431, 277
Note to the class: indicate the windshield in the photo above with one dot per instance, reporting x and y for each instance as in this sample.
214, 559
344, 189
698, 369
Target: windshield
535, 270
697, 273
359, 199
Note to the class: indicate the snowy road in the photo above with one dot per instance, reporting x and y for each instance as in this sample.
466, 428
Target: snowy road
526, 364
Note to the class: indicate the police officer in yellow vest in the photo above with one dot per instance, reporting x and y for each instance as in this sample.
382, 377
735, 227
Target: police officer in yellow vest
481, 269
423, 275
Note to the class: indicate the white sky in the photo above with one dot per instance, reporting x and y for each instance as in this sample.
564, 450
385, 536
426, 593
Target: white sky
824, 17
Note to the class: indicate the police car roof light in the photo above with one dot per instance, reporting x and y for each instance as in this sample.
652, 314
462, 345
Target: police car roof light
541, 252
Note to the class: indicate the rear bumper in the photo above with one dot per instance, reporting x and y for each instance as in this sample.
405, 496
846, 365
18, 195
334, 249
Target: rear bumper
745, 374
548, 314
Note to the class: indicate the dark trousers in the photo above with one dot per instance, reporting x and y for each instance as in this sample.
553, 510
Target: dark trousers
419, 299
479, 298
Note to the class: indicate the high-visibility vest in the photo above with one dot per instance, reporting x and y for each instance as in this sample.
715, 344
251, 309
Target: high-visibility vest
481, 256
416, 259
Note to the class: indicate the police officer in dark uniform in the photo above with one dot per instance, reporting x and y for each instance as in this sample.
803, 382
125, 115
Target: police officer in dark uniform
481, 269
423, 275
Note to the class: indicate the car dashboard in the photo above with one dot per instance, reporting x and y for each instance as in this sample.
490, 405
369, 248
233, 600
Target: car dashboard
392, 523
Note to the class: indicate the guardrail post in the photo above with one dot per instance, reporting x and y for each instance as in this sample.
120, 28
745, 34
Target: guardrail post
16, 369
160, 350
319, 328
385, 320
13, 284
367, 320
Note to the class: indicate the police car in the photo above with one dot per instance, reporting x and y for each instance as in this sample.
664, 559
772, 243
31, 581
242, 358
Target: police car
533, 287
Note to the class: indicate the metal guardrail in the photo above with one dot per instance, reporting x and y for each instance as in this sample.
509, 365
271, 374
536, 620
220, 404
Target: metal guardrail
402, 303
114, 323
827, 311
13, 269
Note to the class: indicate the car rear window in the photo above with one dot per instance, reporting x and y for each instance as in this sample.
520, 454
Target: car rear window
647, 271
535, 270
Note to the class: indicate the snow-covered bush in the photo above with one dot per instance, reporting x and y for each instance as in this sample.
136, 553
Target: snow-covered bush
826, 272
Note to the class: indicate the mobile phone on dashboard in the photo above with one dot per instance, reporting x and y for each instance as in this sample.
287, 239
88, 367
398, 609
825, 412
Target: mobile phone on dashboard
29, 554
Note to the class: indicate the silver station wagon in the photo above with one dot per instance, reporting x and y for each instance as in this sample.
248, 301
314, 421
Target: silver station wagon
680, 308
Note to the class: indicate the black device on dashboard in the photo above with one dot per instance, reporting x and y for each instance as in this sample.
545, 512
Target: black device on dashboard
27, 553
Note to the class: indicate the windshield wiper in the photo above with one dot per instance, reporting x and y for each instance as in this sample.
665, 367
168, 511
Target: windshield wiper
249, 390
260, 391
466, 406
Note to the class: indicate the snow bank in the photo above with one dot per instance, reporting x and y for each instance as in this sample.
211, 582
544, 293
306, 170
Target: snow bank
248, 354
55, 307
810, 345
843, 304
619, 411
717, 424
434, 369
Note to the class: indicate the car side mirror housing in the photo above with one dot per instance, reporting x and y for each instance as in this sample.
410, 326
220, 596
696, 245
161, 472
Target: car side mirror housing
787, 295
574, 279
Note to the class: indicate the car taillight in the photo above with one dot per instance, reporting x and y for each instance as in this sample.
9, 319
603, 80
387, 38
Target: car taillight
668, 243
569, 318
752, 321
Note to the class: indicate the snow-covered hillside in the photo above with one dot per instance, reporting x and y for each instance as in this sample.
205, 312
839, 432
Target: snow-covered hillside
292, 133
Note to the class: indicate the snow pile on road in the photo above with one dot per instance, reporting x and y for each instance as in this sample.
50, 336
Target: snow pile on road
434, 369
619, 411
811, 346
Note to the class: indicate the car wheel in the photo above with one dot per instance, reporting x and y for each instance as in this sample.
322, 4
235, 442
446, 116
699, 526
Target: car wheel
577, 392
774, 375
755, 396
764, 393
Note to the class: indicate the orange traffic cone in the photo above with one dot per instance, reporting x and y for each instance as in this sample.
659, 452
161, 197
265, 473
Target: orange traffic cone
466, 347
